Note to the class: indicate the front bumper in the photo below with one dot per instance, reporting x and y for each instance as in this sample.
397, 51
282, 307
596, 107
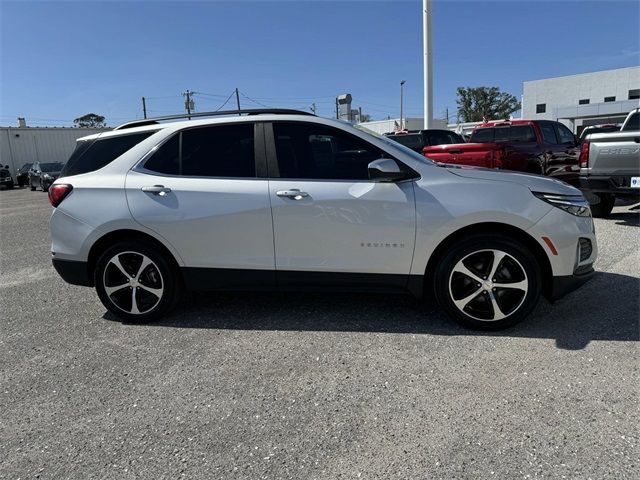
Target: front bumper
6, 181
568, 283
75, 273
618, 185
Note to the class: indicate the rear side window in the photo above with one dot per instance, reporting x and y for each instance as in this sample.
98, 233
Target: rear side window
217, 151
514, 133
91, 155
522, 133
482, 135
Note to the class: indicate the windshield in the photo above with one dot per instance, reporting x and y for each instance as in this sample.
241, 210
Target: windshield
51, 167
25, 167
395, 145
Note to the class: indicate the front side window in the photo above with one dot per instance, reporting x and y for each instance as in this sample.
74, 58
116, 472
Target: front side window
548, 133
311, 151
564, 135
215, 151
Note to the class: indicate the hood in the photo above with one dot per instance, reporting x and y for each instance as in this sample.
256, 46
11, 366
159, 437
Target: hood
55, 174
535, 183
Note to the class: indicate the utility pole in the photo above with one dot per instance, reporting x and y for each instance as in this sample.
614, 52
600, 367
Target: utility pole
427, 13
337, 111
402, 82
188, 104
313, 108
447, 115
359, 114
238, 100
144, 107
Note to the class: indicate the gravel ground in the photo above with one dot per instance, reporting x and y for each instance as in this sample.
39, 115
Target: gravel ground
309, 386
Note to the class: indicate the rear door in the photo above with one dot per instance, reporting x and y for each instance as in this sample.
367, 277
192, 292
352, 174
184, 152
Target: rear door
331, 223
202, 191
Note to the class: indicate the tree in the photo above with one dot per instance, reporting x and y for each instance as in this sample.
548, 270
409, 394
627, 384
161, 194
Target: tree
90, 120
476, 103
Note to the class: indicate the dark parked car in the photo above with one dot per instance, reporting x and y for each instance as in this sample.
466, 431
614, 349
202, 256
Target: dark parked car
418, 139
5, 177
44, 174
22, 177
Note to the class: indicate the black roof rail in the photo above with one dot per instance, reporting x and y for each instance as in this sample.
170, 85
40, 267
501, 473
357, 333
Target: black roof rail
251, 111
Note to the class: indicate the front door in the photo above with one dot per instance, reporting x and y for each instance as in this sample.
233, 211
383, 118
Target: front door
331, 223
200, 191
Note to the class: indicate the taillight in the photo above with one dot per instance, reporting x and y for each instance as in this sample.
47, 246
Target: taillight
58, 192
584, 154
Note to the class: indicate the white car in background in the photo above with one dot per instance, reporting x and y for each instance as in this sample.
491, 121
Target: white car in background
277, 199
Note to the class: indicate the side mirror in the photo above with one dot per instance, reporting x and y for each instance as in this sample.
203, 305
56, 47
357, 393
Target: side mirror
386, 170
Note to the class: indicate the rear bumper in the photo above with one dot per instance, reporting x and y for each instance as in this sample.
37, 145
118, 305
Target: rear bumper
618, 185
565, 284
75, 273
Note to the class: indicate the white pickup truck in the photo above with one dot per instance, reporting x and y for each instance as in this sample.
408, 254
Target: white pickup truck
610, 166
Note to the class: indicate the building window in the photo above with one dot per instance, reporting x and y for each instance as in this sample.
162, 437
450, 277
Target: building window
634, 94
609, 99
541, 108
584, 101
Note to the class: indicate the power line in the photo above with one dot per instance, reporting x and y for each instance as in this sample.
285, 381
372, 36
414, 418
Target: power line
252, 100
225, 102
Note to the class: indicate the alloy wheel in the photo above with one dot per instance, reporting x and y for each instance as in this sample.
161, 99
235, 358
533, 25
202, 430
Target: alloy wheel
133, 282
488, 285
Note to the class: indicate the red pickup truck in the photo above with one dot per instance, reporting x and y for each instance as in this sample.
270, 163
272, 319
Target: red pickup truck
535, 146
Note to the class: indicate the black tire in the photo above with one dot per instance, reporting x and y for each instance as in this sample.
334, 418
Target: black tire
10, 185
603, 208
45, 187
450, 285
33, 188
130, 254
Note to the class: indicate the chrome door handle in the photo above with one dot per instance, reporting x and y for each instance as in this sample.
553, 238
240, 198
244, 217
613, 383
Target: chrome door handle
294, 194
157, 190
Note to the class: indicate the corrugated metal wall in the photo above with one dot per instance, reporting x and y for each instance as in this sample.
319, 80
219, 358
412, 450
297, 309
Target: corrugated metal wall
25, 145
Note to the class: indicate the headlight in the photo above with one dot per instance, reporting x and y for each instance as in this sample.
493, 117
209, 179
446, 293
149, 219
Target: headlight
574, 204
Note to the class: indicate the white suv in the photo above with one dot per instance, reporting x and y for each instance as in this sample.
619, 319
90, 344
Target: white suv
278, 199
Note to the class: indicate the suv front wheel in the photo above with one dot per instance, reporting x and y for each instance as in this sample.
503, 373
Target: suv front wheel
488, 282
136, 283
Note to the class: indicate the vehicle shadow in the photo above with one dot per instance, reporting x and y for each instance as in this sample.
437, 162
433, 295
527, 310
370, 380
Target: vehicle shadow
631, 218
606, 308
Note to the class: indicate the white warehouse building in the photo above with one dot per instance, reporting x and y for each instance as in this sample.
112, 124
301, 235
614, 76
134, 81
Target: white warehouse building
584, 99
20, 145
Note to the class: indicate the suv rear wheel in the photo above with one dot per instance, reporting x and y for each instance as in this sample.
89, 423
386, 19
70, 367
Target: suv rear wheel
488, 282
136, 283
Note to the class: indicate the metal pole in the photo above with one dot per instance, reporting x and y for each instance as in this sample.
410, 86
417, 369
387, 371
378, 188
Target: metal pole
238, 100
428, 70
401, 104
360, 114
187, 104
144, 107
337, 112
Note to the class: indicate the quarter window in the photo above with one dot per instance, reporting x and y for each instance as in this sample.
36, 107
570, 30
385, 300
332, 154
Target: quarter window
317, 152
